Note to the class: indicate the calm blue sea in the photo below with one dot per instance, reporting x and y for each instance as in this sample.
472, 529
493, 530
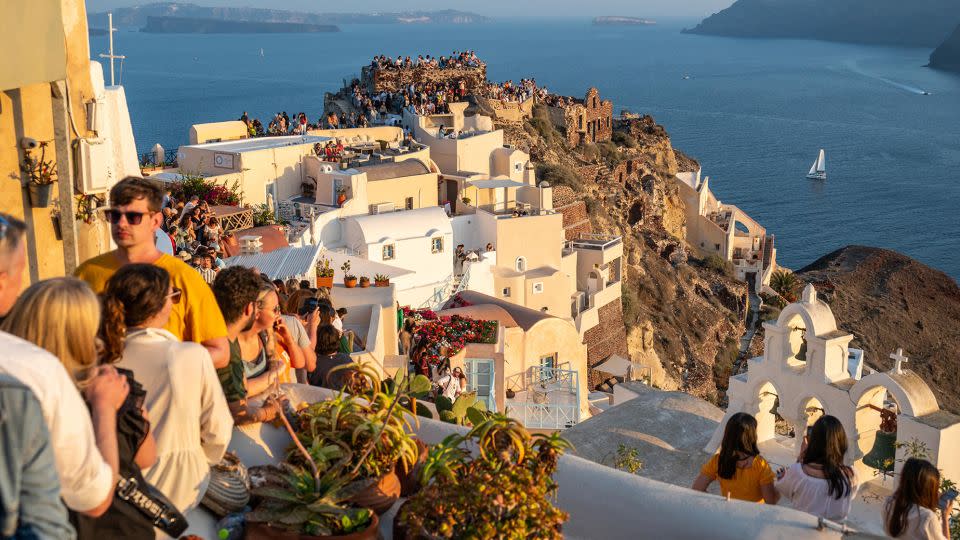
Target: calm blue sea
753, 112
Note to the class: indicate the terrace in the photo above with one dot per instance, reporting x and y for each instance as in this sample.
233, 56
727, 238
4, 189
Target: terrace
548, 397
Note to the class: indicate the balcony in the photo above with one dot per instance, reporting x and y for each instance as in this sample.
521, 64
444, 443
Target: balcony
595, 241
549, 398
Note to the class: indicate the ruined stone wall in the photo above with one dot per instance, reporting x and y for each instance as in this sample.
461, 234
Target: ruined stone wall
607, 338
394, 80
590, 120
574, 212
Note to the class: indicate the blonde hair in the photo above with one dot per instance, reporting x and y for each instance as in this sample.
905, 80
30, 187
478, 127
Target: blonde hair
61, 315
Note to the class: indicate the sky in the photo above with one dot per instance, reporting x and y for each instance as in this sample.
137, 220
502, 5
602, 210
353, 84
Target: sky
494, 8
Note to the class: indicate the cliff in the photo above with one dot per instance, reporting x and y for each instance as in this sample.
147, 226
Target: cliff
947, 55
890, 22
680, 317
136, 16
188, 25
891, 301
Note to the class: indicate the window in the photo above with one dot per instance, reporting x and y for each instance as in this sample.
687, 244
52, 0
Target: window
716, 247
518, 167
506, 292
436, 245
548, 364
389, 252
538, 287
521, 264
408, 204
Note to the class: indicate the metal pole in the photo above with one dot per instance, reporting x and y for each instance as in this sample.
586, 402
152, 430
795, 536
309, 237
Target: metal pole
110, 30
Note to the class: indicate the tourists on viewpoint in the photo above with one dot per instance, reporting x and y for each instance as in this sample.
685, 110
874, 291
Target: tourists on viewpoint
741, 470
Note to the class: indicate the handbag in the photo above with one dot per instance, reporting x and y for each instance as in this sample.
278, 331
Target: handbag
152, 505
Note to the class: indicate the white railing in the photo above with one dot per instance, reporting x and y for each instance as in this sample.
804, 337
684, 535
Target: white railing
545, 415
448, 288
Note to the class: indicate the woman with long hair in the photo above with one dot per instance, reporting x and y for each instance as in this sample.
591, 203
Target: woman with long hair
911, 512
819, 483
268, 349
192, 421
62, 315
741, 470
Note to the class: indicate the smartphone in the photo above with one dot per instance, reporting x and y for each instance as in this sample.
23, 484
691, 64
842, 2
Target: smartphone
308, 306
946, 497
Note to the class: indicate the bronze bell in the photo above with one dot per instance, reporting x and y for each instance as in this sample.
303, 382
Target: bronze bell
884, 451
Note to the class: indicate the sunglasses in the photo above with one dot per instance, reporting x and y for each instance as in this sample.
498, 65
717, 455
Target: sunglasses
133, 218
175, 295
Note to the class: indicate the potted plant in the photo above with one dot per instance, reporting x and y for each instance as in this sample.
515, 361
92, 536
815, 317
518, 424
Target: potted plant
349, 280
341, 196
40, 176
324, 273
503, 490
364, 282
465, 200
511, 393
381, 280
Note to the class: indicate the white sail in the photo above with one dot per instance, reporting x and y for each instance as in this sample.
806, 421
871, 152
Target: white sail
822, 162
818, 171
813, 168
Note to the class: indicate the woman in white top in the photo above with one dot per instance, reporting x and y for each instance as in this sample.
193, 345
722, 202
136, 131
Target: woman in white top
191, 419
819, 483
911, 513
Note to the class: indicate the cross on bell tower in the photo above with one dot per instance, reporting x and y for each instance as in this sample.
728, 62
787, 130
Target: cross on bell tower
111, 56
900, 359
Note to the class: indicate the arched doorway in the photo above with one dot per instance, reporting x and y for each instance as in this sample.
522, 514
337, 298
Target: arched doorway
877, 411
770, 422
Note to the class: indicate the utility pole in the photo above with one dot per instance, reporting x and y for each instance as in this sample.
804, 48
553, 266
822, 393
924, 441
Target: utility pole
111, 56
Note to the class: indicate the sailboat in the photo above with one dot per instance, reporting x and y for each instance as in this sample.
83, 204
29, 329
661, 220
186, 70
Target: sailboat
261, 52
818, 171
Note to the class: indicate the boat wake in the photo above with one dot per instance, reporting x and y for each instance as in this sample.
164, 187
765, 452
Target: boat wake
905, 87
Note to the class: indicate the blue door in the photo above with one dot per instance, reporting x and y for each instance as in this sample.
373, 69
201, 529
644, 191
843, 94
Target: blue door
481, 376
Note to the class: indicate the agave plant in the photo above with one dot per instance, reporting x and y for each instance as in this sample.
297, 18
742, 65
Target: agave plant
505, 490
294, 500
466, 410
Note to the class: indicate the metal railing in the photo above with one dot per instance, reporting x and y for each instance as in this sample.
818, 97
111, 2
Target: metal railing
595, 241
540, 384
449, 288
546, 415
150, 160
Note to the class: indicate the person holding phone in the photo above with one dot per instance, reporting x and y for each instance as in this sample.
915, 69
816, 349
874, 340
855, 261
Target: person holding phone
911, 512
742, 472
819, 482
267, 349
301, 317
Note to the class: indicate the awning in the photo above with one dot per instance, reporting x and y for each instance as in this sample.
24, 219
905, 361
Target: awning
618, 366
491, 184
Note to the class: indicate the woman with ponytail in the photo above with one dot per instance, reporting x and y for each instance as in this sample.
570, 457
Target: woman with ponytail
819, 483
911, 512
192, 422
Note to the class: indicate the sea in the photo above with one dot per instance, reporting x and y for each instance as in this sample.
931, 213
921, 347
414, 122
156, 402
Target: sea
753, 112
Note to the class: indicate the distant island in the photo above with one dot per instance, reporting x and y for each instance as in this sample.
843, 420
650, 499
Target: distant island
190, 25
623, 21
136, 16
947, 55
915, 23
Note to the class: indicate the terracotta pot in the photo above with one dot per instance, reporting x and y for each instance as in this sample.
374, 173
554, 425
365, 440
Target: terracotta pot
342, 198
325, 282
380, 496
262, 531
364, 284
511, 394
350, 283
385, 283
408, 478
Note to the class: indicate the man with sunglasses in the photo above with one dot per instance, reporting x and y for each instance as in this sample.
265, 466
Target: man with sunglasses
135, 216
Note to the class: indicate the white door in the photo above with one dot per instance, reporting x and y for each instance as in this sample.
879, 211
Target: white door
481, 376
337, 185
499, 197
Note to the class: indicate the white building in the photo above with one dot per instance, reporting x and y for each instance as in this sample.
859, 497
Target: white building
417, 240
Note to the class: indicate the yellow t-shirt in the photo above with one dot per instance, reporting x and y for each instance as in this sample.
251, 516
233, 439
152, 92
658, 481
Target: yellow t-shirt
195, 318
745, 484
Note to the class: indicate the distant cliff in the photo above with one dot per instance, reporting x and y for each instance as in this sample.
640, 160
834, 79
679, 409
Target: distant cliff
136, 16
947, 55
890, 301
190, 25
623, 21
892, 22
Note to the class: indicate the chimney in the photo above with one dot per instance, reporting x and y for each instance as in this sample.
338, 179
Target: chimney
251, 245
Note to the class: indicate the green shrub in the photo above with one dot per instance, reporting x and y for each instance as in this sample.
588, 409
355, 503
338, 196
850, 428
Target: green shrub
610, 153
622, 138
263, 215
559, 175
589, 151
542, 125
717, 264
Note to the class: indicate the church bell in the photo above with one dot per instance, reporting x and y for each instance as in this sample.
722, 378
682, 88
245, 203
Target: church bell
883, 453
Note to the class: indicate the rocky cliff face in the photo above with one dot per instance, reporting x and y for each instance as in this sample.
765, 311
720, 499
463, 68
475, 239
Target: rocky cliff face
681, 319
889, 301
891, 22
947, 55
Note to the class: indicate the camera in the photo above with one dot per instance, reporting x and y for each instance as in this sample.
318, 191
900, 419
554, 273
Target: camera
28, 144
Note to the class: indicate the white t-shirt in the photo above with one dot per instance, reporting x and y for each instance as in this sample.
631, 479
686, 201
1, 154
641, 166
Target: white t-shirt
338, 324
449, 386
85, 478
922, 523
812, 495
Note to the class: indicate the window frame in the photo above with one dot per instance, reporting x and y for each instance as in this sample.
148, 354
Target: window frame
393, 252
436, 244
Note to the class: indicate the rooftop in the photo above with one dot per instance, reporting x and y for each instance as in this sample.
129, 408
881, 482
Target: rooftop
525, 317
259, 143
399, 169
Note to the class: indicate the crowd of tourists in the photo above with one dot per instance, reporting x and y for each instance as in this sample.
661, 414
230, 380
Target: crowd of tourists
821, 484
120, 386
195, 233
458, 59
509, 92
